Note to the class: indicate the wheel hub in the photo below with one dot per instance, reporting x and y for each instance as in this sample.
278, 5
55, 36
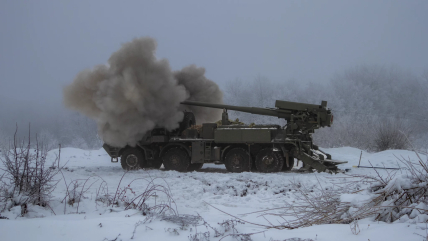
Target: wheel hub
267, 160
175, 159
132, 160
236, 161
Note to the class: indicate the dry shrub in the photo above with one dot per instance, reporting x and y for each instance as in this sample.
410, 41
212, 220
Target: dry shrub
27, 178
391, 134
403, 196
396, 197
145, 200
227, 228
128, 197
313, 205
76, 190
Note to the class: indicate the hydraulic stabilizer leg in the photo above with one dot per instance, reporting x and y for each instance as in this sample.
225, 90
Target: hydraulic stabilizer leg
310, 162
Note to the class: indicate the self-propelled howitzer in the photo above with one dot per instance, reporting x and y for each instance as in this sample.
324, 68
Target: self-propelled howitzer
263, 148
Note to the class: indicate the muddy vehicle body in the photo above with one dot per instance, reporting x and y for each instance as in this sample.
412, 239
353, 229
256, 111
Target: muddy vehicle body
263, 148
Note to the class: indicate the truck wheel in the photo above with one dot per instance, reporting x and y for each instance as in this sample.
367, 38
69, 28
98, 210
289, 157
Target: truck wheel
269, 161
291, 162
238, 160
195, 167
132, 159
176, 159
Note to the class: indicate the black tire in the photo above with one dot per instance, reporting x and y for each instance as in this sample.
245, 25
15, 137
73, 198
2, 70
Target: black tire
176, 159
269, 161
237, 160
291, 164
188, 121
156, 162
195, 167
132, 159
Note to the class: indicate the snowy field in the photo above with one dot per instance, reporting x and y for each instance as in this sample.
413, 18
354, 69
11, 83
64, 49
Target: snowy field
211, 196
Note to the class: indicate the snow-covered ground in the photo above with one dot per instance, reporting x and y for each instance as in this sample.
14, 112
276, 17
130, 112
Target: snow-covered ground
212, 193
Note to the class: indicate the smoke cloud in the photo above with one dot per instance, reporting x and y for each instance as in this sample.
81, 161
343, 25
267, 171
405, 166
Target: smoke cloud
199, 88
136, 92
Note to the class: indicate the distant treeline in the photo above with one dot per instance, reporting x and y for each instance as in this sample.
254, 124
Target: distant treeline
375, 108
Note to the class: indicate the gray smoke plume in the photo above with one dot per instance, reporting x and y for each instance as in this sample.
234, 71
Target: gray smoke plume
201, 89
137, 92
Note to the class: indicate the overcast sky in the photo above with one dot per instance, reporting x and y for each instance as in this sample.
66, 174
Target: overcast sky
44, 44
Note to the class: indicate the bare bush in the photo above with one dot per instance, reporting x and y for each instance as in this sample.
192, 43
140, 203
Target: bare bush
396, 197
205, 236
226, 228
313, 205
73, 194
404, 196
391, 134
145, 201
28, 178
77, 188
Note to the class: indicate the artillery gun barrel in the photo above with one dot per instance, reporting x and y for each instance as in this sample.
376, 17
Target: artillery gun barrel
252, 110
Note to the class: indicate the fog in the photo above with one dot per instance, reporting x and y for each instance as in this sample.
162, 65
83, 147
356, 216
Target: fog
322, 48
